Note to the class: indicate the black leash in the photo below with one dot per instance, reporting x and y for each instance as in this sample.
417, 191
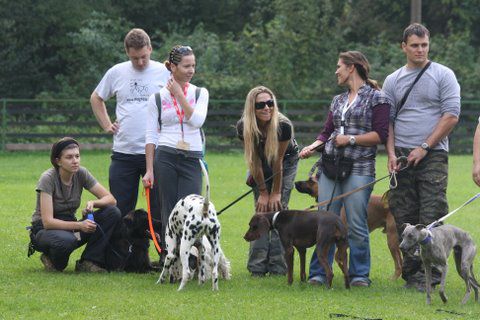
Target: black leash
317, 148
342, 315
451, 312
246, 194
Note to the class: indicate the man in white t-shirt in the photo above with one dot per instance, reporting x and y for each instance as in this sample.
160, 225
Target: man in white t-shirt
131, 82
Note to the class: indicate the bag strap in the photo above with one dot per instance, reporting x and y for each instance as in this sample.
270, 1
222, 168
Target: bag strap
405, 96
158, 102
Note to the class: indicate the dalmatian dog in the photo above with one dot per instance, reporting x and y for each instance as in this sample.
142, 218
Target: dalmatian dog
195, 260
192, 218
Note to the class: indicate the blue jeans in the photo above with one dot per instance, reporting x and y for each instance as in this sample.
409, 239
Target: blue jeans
358, 235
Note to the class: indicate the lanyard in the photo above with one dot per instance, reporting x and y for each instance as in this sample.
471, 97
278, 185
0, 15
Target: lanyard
180, 114
345, 108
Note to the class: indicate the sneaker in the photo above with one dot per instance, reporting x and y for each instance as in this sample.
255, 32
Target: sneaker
47, 263
316, 281
360, 283
88, 266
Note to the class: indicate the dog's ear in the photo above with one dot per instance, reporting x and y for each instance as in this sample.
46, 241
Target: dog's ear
405, 225
129, 217
420, 226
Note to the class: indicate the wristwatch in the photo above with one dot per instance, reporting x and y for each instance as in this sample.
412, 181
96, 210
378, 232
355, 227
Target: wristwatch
352, 140
425, 146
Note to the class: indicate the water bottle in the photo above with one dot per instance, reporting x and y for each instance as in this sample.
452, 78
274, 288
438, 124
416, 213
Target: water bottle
90, 217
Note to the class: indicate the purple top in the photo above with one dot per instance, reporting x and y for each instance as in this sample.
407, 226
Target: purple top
380, 123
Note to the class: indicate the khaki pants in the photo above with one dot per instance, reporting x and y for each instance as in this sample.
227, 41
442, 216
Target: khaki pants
266, 254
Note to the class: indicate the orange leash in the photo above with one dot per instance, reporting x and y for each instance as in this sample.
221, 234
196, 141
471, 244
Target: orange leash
150, 224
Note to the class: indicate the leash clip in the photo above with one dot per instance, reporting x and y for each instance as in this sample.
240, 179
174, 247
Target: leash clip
402, 160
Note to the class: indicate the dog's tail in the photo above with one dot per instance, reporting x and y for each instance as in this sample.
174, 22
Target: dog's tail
206, 200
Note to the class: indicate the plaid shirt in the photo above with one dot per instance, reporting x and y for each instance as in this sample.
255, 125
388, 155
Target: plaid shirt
358, 120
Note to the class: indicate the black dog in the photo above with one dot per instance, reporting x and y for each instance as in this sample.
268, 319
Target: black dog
132, 242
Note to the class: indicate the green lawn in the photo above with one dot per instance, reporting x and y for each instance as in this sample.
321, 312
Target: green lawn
28, 292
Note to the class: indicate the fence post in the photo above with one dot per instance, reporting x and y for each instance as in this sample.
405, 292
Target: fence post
3, 138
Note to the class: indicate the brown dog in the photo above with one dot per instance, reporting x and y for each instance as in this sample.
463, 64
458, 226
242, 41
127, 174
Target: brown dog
302, 230
379, 216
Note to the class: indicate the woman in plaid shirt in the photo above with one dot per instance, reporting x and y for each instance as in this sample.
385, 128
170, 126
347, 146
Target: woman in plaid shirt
357, 122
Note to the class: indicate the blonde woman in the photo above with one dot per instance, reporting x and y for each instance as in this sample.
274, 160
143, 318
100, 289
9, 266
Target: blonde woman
271, 154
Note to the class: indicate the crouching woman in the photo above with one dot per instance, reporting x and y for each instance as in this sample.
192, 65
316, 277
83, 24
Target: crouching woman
271, 154
56, 232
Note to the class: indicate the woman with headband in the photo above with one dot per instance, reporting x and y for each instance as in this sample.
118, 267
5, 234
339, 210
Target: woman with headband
271, 154
56, 232
173, 134
357, 122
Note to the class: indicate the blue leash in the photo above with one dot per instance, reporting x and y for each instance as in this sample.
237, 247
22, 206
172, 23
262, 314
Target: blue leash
436, 222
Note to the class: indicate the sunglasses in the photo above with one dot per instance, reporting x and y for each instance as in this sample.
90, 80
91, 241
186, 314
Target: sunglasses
183, 50
262, 104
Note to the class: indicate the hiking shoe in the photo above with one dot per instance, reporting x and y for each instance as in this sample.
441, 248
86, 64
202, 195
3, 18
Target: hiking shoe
47, 263
360, 283
316, 281
88, 266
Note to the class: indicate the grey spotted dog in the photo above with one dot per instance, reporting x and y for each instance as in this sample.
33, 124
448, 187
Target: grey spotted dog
436, 244
192, 218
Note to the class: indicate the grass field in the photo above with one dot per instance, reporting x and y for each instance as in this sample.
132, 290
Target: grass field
28, 292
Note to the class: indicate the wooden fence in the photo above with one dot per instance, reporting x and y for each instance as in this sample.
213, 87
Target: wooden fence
35, 124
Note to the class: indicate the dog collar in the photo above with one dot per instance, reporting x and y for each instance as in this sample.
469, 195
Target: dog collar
275, 218
427, 239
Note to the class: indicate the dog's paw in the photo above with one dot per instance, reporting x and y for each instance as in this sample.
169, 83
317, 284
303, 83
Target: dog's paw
444, 297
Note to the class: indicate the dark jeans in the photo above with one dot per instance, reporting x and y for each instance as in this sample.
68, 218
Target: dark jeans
266, 254
125, 173
59, 244
420, 197
177, 176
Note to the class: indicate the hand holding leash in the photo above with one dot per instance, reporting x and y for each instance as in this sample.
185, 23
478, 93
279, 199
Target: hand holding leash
307, 151
401, 163
147, 180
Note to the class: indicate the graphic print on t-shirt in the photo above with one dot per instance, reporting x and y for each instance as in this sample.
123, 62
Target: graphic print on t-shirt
138, 90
